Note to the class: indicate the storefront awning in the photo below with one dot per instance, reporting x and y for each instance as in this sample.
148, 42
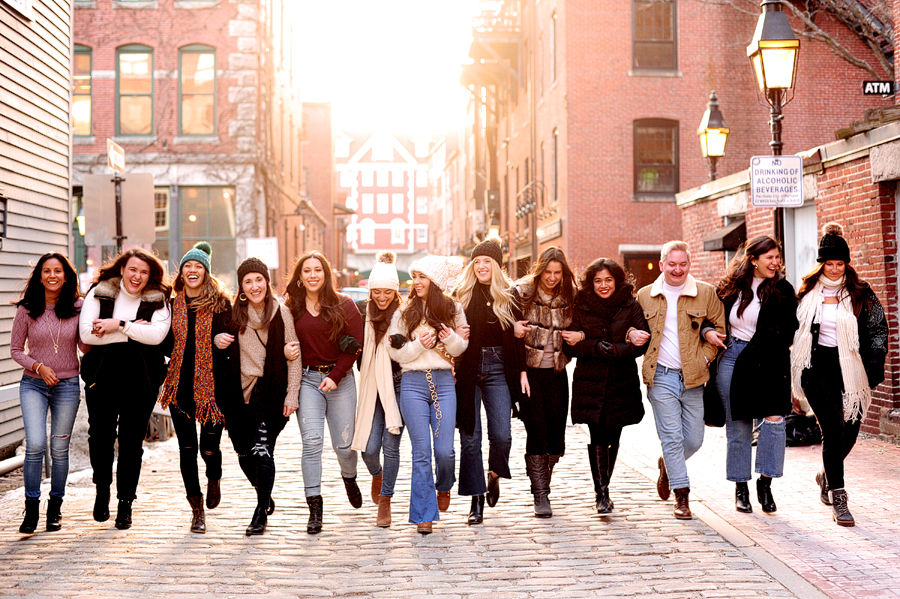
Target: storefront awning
728, 238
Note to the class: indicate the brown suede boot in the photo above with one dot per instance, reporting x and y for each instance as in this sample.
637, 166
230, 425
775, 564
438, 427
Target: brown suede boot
384, 512
682, 506
376, 488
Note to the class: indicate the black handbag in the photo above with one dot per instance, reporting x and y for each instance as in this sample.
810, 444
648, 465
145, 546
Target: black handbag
713, 408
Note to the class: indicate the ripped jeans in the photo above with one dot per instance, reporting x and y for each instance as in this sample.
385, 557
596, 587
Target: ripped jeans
263, 454
339, 408
210, 437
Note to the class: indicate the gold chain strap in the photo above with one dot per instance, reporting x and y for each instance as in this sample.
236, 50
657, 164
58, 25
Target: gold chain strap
434, 398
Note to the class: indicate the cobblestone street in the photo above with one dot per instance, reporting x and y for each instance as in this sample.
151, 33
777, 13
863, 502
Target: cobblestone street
641, 550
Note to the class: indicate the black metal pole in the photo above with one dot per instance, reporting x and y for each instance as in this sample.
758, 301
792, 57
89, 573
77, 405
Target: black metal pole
119, 237
775, 118
712, 167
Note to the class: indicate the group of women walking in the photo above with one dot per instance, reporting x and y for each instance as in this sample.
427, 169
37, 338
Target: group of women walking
464, 339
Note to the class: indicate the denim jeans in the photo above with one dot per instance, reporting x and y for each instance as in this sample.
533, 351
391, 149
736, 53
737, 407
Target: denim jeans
425, 422
492, 390
739, 433
678, 413
338, 407
380, 437
62, 399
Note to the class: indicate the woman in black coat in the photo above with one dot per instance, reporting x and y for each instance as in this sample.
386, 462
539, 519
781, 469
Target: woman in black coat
753, 377
606, 390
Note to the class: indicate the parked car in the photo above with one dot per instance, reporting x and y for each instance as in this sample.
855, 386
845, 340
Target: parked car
357, 293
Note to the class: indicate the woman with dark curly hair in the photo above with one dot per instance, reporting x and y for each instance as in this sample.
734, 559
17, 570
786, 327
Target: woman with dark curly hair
46, 322
753, 377
837, 358
125, 318
606, 390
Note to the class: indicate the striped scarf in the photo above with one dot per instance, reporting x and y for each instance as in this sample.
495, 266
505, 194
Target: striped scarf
206, 409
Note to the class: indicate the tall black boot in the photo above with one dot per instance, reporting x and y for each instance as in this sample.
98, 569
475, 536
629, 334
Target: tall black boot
314, 526
538, 469
54, 514
32, 515
476, 512
613, 455
599, 458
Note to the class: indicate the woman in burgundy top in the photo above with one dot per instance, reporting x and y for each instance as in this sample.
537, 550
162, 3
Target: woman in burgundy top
331, 332
47, 321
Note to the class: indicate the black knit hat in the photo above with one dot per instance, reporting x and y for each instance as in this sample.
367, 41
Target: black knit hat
253, 265
489, 248
833, 246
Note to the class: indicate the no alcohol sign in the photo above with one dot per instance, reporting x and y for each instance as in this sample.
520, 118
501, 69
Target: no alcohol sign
776, 181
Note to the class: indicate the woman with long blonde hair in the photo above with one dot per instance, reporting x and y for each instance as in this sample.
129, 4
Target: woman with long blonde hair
490, 372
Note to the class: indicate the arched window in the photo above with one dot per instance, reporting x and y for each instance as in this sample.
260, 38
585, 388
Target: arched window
81, 91
134, 90
197, 90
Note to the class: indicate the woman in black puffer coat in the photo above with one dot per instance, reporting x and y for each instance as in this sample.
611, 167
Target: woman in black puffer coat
606, 390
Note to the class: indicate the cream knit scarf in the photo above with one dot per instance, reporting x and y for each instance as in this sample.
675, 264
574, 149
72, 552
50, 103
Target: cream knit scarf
857, 395
376, 380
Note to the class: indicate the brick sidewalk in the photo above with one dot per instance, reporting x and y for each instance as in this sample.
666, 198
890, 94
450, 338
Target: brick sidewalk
640, 551
863, 561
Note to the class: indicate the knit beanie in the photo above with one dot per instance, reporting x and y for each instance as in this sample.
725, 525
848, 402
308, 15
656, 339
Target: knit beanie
384, 273
440, 270
489, 248
252, 265
201, 252
833, 246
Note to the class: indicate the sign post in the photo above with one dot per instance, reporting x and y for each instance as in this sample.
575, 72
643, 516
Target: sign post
116, 158
776, 181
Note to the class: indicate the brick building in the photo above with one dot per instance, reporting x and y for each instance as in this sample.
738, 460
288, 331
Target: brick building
319, 176
583, 118
447, 171
203, 95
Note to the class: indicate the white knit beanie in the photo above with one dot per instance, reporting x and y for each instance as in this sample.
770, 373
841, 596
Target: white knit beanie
384, 273
440, 270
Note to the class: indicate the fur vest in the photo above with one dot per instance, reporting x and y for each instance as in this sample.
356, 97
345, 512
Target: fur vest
547, 317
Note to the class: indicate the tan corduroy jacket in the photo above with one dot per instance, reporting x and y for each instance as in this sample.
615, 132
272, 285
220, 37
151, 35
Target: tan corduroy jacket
697, 303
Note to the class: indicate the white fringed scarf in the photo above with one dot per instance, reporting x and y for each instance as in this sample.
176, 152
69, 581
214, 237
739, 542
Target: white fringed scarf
376, 381
857, 395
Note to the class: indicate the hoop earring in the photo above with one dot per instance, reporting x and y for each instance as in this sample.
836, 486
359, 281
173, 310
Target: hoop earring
242, 297
299, 284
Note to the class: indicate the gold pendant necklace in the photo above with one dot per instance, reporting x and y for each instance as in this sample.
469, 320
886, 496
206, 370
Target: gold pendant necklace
487, 300
58, 332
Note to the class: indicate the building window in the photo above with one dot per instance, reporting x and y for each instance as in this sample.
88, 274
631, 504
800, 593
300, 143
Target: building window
368, 203
381, 203
81, 91
347, 178
197, 90
383, 177
553, 47
397, 203
422, 205
422, 178
161, 208
398, 230
367, 231
397, 177
554, 188
655, 157
368, 178
422, 234
653, 38
134, 90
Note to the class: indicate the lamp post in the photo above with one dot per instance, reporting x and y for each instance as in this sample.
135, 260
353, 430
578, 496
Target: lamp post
773, 56
713, 134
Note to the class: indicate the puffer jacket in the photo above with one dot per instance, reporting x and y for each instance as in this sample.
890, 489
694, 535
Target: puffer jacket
698, 302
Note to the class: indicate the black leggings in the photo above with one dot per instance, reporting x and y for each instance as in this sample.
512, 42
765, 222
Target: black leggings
602, 435
210, 436
824, 387
544, 413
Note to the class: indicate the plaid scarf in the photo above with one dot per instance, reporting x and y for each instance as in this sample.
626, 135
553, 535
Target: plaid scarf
206, 409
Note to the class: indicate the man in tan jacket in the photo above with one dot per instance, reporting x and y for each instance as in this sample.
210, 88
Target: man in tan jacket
676, 364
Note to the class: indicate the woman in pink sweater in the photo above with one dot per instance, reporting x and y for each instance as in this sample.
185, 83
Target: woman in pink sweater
47, 322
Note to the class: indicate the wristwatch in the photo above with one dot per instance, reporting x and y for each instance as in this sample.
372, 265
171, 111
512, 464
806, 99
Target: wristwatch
121, 324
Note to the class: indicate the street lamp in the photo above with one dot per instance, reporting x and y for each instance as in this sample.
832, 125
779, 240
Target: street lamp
494, 229
713, 134
773, 55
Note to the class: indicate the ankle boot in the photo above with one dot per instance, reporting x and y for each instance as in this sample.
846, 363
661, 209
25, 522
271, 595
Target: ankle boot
54, 514
353, 492
271, 509
101, 504
123, 515
598, 455
823, 487
538, 469
476, 512
493, 489
314, 526
213, 493
682, 505
198, 523
764, 494
376, 488
384, 511
32, 515
840, 513
258, 524
742, 498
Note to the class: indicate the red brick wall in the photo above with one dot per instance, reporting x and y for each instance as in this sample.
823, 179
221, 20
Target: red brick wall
318, 159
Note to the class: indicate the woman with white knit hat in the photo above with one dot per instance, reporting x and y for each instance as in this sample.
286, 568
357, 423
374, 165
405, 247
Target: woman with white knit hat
427, 333
379, 424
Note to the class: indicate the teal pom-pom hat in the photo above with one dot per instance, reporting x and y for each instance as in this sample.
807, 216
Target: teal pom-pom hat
201, 252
